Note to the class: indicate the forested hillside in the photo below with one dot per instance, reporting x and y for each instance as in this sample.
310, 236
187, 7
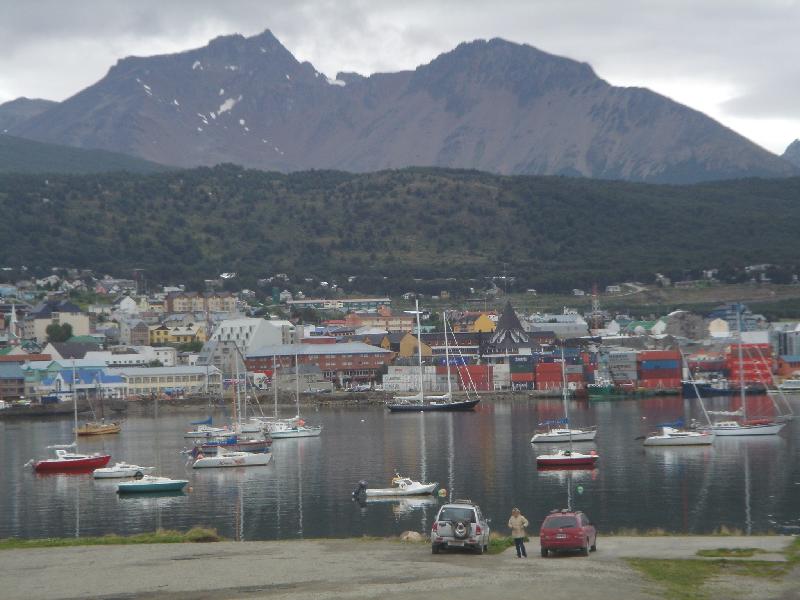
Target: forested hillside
552, 233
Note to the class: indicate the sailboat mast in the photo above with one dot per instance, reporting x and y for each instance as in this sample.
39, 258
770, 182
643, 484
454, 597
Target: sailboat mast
236, 395
74, 404
564, 395
419, 353
447, 358
275, 385
297, 383
741, 363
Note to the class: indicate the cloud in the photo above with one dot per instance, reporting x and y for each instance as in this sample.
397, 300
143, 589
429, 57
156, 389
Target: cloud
54, 48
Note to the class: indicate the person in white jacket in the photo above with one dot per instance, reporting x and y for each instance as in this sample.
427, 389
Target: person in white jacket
518, 523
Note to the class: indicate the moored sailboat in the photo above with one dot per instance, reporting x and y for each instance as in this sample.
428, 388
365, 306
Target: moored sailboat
566, 458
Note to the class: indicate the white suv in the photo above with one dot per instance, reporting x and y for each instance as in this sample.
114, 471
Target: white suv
460, 525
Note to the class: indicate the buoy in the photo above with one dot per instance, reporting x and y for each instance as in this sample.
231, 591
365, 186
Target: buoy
442, 493
579, 489
190, 489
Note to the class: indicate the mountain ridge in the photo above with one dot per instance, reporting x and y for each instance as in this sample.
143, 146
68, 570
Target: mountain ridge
491, 105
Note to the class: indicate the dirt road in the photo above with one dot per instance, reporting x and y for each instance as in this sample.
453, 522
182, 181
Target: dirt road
323, 569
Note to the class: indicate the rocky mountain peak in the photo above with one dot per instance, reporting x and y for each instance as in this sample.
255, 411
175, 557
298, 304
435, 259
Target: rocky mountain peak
792, 153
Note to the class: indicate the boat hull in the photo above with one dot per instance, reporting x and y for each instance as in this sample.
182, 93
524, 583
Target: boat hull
296, 433
99, 429
746, 430
66, 465
121, 472
566, 461
225, 460
577, 435
707, 391
244, 446
433, 407
397, 492
694, 440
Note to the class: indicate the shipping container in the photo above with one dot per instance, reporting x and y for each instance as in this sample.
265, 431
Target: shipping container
517, 377
659, 364
660, 384
660, 355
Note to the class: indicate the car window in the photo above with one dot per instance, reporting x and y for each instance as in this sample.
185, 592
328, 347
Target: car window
556, 522
453, 513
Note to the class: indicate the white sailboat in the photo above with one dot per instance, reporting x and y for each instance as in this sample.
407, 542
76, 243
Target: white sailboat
297, 428
443, 402
671, 436
566, 458
744, 426
226, 458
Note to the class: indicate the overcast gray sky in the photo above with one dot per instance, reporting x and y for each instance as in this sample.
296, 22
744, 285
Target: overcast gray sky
735, 60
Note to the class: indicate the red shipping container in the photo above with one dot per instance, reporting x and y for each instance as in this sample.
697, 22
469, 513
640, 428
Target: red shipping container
575, 377
549, 367
660, 384
521, 377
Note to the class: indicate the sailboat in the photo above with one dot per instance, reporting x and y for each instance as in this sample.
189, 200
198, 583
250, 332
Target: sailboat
417, 402
71, 461
98, 427
745, 426
560, 429
566, 458
149, 484
297, 428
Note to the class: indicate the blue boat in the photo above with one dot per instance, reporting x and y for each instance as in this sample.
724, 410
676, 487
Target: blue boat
150, 483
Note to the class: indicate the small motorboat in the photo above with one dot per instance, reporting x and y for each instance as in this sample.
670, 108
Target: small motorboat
225, 458
205, 431
670, 436
70, 461
151, 483
746, 427
564, 435
98, 428
401, 486
567, 458
121, 470
295, 429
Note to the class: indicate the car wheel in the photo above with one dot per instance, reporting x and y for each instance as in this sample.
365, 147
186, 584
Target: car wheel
485, 547
594, 546
585, 549
479, 548
434, 548
545, 552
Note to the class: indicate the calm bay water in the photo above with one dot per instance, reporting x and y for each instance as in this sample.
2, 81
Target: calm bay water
752, 484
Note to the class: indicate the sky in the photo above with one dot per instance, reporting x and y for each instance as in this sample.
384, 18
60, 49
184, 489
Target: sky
735, 60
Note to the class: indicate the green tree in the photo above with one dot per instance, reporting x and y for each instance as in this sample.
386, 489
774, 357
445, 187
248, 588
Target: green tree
58, 333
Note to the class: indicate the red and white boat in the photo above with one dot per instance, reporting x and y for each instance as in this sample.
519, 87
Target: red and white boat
68, 461
567, 458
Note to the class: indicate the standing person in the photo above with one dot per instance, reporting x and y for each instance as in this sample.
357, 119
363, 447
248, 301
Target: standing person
518, 523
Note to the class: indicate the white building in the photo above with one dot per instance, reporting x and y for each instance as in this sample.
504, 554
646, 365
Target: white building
246, 334
180, 380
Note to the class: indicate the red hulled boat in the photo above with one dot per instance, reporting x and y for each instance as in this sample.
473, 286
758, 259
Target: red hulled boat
67, 462
567, 458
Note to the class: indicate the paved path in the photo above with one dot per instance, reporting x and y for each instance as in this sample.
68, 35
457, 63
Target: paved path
325, 569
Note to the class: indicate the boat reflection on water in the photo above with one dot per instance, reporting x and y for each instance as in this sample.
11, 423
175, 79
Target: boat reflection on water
401, 505
151, 499
566, 474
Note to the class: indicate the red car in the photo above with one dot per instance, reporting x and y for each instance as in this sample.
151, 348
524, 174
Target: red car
567, 530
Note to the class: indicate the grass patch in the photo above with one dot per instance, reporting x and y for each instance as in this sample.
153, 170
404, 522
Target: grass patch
730, 552
162, 536
500, 543
684, 579
680, 579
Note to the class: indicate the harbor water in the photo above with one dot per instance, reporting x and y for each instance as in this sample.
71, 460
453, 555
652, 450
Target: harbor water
748, 484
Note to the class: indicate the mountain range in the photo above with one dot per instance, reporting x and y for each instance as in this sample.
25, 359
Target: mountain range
489, 105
